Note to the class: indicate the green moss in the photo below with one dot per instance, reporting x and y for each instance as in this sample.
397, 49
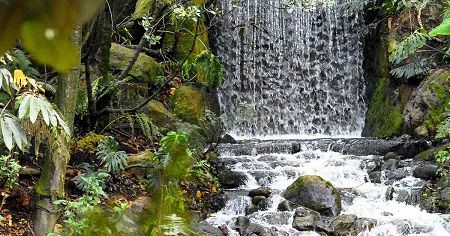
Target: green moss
145, 70
439, 84
89, 142
160, 116
188, 104
384, 117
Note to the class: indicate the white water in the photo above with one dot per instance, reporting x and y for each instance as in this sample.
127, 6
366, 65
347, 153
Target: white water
343, 171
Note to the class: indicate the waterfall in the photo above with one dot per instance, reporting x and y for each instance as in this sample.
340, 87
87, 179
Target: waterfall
290, 71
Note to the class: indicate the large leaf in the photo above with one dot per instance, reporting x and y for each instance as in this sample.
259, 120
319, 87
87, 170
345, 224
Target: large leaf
34, 109
142, 8
19, 135
47, 46
24, 106
441, 30
6, 134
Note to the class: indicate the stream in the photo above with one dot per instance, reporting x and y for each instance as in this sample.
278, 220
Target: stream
271, 164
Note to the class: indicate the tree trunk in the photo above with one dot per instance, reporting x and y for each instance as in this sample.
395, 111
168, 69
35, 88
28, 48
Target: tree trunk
50, 186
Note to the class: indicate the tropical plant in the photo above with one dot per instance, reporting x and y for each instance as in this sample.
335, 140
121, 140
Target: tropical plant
443, 163
108, 153
204, 66
9, 171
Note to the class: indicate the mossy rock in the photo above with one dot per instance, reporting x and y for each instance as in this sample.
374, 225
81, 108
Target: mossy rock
429, 102
145, 70
429, 154
314, 192
188, 103
159, 114
385, 114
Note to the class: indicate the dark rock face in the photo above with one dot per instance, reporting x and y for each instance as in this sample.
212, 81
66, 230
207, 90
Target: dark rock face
348, 194
204, 228
286, 206
263, 191
343, 224
228, 139
231, 179
305, 219
403, 196
315, 193
245, 227
425, 171
375, 177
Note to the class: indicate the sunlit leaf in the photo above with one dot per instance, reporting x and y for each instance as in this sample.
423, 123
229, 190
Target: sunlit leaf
18, 134
441, 30
142, 8
34, 109
20, 80
24, 106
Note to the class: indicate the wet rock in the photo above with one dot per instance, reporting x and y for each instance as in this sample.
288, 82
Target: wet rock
444, 194
217, 202
406, 227
264, 204
389, 193
391, 155
231, 179
390, 164
315, 193
343, 224
403, 196
273, 218
203, 228
286, 206
257, 199
397, 174
421, 132
305, 219
363, 224
425, 171
228, 139
348, 194
255, 229
251, 209
375, 177
263, 191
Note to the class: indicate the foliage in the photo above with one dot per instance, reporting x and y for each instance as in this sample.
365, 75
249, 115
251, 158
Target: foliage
17, 60
417, 66
443, 162
9, 171
89, 142
149, 130
443, 129
109, 155
206, 65
408, 47
76, 210
444, 28
45, 28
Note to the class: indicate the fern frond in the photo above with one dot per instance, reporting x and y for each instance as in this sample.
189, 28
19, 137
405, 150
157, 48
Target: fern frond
408, 47
414, 68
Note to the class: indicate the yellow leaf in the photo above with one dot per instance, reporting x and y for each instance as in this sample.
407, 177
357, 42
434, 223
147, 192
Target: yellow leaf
20, 79
198, 194
214, 189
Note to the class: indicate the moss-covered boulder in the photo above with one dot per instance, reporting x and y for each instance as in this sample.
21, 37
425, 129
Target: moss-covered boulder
313, 192
429, 102
188, 103
159, 114
145, 70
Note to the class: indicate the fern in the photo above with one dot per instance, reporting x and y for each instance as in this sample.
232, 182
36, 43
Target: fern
416, 67
443, 129
109, 155
146, 125
408, 47
205, 64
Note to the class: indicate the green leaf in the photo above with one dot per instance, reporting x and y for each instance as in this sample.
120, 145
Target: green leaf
87, 9
441, 30
24, 106
7, 134
47, 46
34, 109
18, 134
44, 107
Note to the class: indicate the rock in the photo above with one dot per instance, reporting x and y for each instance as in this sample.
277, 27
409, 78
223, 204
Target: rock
425, 171
286, 206
262, 191
428, 102
254, 229
363, 224
231, 179
391, 155
217, 202
390, 164
159, 114
228, 139
251, 209
145, 69
264, 204
242, 221
343, 224
389, 193
421, 132
315, 193
203, 228
397, 174
188, 103
403, 196
444, 195
348, 194
375, 177
305, 219
257, 199
428, 155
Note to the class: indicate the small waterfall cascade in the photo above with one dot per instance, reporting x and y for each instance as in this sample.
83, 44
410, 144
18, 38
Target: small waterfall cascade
290, 71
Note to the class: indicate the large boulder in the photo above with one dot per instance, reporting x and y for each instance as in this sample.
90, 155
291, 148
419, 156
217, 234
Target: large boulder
145, 69
231, 179
315, 193
429, 102
425, 171
159, 114
188, 103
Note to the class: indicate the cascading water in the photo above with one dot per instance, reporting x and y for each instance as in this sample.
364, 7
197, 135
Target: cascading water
290, 72
294, 73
